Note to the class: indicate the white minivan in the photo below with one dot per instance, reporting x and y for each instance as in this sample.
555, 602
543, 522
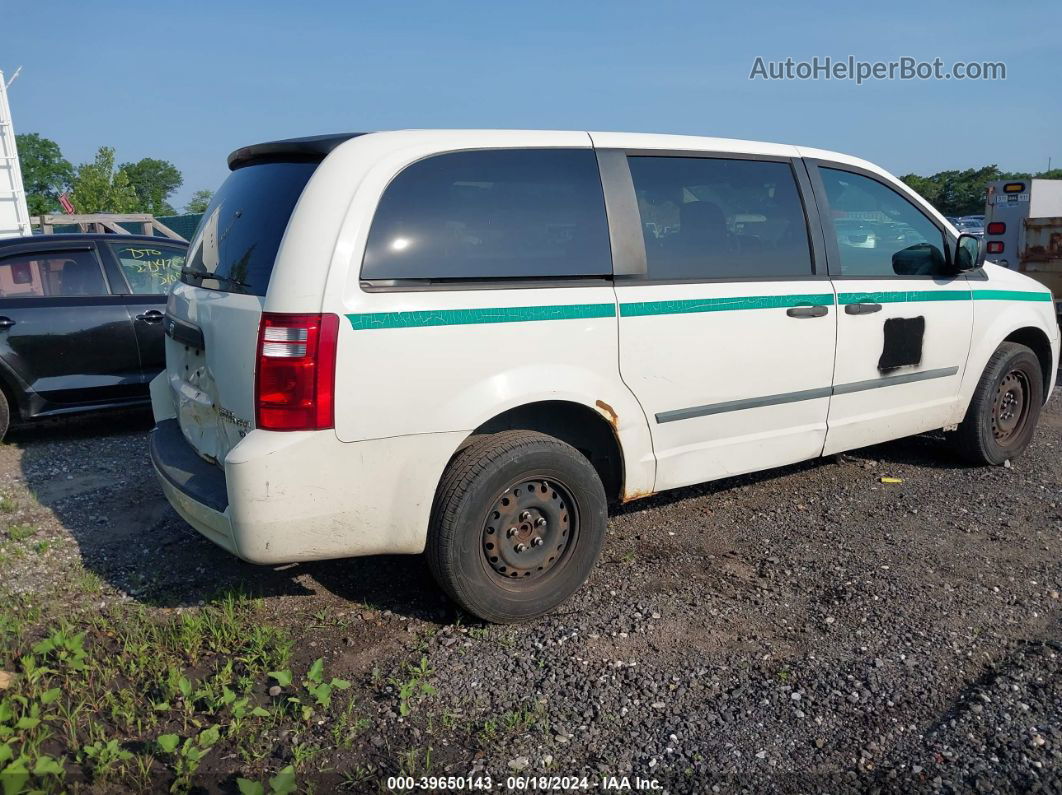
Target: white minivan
470, 342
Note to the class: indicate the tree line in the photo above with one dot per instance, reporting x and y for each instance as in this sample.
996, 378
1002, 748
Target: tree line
146, 186
100, 186
957, 193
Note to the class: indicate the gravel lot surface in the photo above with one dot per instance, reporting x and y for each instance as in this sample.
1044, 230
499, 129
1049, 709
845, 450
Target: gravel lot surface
808, 629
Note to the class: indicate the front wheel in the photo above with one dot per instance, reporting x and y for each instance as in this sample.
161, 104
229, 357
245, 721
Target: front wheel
5, 416
1003, 413
517, 525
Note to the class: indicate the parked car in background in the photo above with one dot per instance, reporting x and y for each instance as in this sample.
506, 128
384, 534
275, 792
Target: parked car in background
971, 226
81, 321
470, 342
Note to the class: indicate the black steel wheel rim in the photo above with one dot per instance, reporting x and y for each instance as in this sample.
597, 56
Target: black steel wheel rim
1010, 407
529, 530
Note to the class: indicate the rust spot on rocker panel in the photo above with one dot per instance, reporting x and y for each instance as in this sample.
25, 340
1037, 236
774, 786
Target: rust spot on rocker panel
635, 495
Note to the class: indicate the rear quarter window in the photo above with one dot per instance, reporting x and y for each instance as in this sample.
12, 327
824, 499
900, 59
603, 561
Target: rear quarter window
493, 214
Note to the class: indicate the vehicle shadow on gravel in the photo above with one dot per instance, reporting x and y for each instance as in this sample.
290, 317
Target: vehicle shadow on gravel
94, 475
82, 426
928, 450
714, 487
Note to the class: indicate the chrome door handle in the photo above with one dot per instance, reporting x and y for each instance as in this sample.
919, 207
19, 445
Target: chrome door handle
6, 322
806, 311
862, 308
151, 316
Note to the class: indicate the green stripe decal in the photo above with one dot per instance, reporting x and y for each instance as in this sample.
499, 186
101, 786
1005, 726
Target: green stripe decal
642, 308
914, 296
525, 314
1010, 295
465, 317
903, 296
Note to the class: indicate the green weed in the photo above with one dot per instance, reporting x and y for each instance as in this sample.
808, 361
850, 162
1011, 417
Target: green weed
414, 687
20, 532
187, 756
282, 783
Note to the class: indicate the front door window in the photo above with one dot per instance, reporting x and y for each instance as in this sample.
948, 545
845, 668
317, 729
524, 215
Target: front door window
879, 233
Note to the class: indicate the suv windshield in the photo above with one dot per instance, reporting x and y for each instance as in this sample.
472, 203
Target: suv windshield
236, 243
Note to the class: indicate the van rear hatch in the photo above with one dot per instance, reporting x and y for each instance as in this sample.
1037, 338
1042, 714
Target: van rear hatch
213, 313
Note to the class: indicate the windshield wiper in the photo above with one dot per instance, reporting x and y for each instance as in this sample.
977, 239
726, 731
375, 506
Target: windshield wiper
214, 276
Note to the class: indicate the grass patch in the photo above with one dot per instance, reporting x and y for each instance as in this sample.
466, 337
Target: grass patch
415, 762
20, 532
125, 700
88, 582
510, 723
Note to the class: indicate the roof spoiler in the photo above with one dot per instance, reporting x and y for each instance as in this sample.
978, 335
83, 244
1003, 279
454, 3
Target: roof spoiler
313, 148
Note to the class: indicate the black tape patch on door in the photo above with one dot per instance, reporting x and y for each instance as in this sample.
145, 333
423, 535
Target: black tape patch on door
903, 342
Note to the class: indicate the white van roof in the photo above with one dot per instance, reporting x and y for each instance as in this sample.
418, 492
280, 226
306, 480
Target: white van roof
319, 146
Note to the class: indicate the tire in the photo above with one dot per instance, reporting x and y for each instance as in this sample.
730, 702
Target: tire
5, 416
518, 522
1002, 417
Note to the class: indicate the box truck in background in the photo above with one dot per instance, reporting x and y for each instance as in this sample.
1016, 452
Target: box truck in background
1023, 230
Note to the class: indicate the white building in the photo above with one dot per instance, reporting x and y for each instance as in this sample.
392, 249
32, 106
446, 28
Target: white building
14, 215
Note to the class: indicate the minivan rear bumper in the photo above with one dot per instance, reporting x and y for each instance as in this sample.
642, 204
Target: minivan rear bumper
305, 495
195, 488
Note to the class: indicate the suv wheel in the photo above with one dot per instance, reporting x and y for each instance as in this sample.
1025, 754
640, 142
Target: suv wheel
517, 525
1002, 416
5, 416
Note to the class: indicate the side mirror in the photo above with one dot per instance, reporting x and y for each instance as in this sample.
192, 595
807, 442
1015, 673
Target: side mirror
921, 258
969, 253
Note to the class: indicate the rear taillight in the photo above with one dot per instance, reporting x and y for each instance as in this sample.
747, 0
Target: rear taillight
995, 247
997, 228
295, 382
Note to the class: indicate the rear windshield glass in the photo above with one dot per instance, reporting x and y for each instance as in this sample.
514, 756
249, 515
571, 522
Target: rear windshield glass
236, 243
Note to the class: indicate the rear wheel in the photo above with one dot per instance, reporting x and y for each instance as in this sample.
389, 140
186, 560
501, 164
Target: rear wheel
517, 525
5, 416
1002, 416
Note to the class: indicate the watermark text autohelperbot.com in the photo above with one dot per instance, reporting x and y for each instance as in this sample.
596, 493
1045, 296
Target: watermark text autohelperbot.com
851, 68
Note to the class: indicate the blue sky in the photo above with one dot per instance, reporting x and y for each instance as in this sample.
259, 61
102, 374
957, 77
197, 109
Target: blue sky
194, 81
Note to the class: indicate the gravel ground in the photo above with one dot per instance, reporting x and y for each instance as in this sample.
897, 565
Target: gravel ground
808, 629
